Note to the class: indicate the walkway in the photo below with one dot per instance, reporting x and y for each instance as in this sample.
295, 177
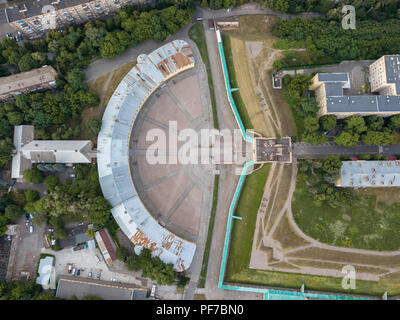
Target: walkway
302, 150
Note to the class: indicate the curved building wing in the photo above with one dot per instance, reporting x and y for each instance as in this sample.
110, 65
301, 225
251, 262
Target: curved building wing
113, 153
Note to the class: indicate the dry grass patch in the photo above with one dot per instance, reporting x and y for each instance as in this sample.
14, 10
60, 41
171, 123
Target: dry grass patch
287, 237
337, 266
347, 257
246, 88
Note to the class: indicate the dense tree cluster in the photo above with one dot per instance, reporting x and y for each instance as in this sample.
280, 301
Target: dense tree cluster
376, 9
321, 175
152, 267
23, 290
322, 39
81, 199
12, 204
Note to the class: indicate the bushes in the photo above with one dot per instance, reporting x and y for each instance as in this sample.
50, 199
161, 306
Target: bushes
13, 212
152, 268
51, 182
33, 176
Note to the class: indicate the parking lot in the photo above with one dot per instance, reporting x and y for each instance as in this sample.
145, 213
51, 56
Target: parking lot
85, 260
28, 247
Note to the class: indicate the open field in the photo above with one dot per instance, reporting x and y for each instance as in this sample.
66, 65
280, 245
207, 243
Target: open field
243, 230
356, 225
253, 56
242, 108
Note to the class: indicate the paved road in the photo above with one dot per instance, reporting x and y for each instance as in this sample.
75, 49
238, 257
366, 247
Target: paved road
250, 9
302, 150
227, 183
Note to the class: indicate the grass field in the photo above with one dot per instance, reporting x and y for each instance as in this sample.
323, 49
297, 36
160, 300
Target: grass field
246, 88
364, 223
243, 230
244, 115
196, 34
237, 270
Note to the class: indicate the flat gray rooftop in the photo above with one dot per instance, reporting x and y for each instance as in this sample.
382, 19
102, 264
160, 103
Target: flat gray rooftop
392, 64
81, 288
361, 174
329, 77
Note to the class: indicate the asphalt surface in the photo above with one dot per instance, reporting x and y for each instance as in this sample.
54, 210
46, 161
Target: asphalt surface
302, 150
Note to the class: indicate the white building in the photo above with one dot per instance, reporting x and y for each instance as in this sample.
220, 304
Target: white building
28, 151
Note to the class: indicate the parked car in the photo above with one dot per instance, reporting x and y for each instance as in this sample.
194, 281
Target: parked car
80, 247
31, 228
31, 215
71, 175
78, 272
98, 276
20, 36
9, 35
70, 268
8, 237
73, 271
89, 275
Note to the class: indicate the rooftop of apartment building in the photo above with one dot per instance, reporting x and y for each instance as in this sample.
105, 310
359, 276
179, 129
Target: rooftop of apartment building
392, 66
361, 174
24, 80
32, 8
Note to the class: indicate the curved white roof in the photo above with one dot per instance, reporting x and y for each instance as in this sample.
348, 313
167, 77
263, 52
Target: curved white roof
113, 153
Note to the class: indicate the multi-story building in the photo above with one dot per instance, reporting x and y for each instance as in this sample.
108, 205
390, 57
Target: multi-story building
36, 79
35, 17
385, 83
28, 151
384, 75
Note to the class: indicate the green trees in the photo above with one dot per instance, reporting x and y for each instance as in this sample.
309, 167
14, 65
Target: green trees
311, 124
33, 176
355, 124
6, 148
94, 125
295, 86
327, 122
99, 212
51, 182
76, 79
336, 44
378, 138
31, 195
346, 139
122, 254
60, 233
332, 164
13, 212
152, 268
